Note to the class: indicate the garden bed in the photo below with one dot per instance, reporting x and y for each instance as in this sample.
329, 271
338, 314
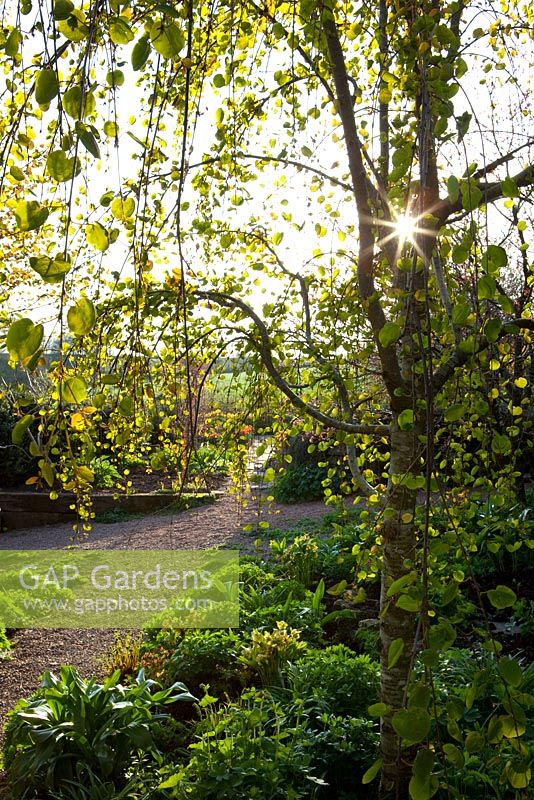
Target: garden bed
24, 509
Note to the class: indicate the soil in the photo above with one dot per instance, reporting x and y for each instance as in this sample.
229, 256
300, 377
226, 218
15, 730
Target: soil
215, 525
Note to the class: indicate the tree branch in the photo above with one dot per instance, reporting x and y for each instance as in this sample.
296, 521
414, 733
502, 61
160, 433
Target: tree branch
490, 193
460, 357
264, 349
286, 161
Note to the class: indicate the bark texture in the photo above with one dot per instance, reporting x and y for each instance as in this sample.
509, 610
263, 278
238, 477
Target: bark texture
398, 544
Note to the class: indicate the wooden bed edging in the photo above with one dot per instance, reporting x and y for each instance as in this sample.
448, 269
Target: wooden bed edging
33, 509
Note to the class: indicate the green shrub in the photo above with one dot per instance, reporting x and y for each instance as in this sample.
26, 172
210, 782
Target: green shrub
255, 573
484, 719
246, 751
208, 460
141, 785
207, 657
300, 483
335, 681
73, 731
299, 559
341, 750
302, 614
271, 749
16, 465
105, 472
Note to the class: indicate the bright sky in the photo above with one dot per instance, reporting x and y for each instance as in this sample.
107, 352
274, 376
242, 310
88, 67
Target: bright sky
279, 189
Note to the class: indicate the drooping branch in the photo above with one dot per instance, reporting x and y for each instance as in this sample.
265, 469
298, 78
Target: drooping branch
278, 160
335, 375
444, 293
460, 357
263, 346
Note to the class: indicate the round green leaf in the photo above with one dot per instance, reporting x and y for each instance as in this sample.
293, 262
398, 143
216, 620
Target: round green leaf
30, 215
78, 104
518, 774
453, 188
412, 724
471, 195
509, 187
441, 636
486, 287
13, 42
406, 419
46, 86
51, 270
422, 786
126, 406
110, 129
119, 31
492, 329
73, 390
502, 597
24, 339
454, 755
378, 710
63, 9
460, 253
97, 236
123, 209
74, 26
389, 334
167, 38
501, 444
510, 671
455, 412
47, 471
461, 313
61, 168
408, 603
81, 317
474, 742
494, 258
110, 380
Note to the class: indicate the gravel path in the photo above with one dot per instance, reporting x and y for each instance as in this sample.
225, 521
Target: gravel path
219, 524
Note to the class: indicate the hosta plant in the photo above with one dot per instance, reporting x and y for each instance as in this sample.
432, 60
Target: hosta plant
76, 731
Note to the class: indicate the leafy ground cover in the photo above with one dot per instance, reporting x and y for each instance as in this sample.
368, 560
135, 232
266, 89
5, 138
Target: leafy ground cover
286, 706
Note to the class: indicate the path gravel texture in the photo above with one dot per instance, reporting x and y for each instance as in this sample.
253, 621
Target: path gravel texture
215, 525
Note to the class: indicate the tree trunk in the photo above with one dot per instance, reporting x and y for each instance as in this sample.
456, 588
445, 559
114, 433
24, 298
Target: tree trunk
398, 543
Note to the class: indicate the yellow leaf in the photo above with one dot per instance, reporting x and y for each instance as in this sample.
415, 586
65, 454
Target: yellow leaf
423, 47
32, 481
77, 421
406, 518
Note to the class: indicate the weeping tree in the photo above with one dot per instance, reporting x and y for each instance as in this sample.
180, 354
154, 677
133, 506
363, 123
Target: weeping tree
336, 193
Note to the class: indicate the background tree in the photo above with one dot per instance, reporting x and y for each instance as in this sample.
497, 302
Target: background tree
383, 329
